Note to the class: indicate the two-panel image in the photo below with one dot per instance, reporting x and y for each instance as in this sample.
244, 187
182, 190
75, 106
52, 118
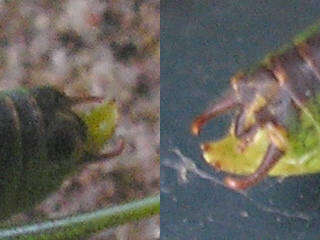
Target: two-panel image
149, 120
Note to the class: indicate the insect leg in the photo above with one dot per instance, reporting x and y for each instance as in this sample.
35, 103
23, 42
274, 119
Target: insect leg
228, 102
247, 136
244, 133
271, 157
240, 124
114, 152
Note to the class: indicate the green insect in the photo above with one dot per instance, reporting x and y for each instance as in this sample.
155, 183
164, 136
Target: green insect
277, 127
42, 140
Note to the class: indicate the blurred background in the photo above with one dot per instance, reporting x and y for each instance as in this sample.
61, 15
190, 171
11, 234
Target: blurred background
107, 48
203, 43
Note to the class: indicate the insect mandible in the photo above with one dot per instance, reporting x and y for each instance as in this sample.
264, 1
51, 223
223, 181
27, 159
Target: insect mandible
42, 140
277, 127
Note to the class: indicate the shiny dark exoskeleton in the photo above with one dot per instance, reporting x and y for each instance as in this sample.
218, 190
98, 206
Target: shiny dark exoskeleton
41, 141
270, 96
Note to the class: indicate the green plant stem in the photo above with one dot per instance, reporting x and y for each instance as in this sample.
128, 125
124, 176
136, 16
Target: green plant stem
86, 224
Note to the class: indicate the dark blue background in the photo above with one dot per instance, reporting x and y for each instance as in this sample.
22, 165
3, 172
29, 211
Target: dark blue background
203, 43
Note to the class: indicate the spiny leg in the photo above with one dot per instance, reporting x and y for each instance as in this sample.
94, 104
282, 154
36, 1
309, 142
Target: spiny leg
271, 157
226, 103
114, 152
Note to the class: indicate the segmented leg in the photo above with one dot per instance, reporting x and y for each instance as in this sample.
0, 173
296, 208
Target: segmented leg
114, 152
228, 102
240, 124
271, 157
247, 136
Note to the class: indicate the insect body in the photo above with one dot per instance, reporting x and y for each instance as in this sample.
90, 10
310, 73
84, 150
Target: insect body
277, 128
42, 140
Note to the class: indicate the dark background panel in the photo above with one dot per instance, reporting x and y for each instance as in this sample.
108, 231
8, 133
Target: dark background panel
202, 45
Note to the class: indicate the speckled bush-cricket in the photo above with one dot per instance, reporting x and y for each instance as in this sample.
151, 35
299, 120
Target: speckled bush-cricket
277, 127
42, 140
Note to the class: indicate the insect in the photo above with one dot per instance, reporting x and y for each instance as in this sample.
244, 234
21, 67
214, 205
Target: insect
42, 140
277, 127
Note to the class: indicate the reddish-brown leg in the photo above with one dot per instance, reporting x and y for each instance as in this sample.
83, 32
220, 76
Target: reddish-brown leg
271, 157
239, 127
226, 103
114, 152
247, 136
